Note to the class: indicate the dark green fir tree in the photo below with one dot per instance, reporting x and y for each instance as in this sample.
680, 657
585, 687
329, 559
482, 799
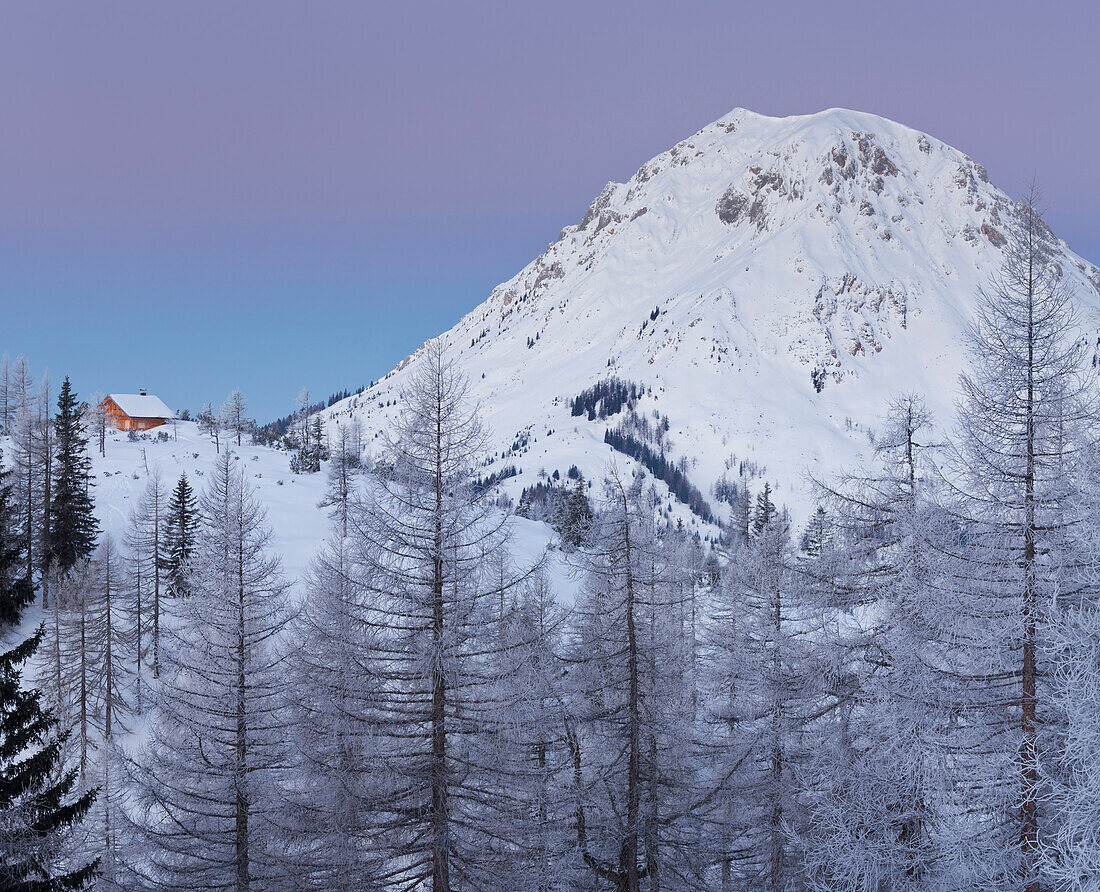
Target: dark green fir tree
183, 523
818, 535
73, 527
38, 806
765, 510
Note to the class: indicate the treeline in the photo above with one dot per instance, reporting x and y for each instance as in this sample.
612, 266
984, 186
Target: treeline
275, 430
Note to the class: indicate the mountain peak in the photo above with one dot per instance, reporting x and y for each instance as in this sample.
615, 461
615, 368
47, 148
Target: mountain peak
767, 283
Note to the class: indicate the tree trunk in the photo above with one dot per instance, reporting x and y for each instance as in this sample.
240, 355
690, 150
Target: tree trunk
1029, 830
440, 816
241, 806
633, 793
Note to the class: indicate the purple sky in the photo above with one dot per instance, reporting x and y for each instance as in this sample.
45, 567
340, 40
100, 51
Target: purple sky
197, 196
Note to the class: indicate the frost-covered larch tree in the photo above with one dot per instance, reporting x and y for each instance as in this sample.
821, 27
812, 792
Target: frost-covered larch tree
337, 773
201, 789
1025, 419
632, 728
772, 684
148, 541
424, 537
873, 788
234, 418
343, 471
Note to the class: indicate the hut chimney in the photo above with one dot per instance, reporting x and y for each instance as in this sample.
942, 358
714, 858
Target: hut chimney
142, 392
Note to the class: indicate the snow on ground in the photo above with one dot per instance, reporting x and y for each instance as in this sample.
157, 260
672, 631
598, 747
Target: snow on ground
299, 527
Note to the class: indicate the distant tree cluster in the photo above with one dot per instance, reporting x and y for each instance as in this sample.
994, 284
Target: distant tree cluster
606, 398
661, 468
566, 508
272, 432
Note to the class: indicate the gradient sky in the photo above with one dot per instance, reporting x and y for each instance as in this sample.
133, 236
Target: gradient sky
206, 195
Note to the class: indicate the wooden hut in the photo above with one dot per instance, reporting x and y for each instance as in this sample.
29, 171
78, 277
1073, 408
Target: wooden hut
135, 411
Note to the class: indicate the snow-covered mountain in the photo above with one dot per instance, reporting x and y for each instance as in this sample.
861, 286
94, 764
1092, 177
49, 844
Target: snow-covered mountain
769, 282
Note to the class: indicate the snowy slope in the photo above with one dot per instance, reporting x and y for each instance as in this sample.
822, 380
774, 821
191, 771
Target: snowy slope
299, 527
725, 274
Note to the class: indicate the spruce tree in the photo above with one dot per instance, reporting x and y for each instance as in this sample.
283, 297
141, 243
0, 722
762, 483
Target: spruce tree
818, 533
16, 588
183, 522
575, 516
765, 510
37, 808
73, 527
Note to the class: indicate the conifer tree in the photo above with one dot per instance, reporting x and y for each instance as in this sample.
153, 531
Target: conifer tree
210, 424
426, 538
818, 533
16, 589
343, 468
234, 419
767, 686
575, 517
337, 774
38, 807
877, 818
28, 464
202, 787
181, 526
94, 643
632, 725
72, 524
1027, 417
98, 421
5, 395
765, 511
149, 541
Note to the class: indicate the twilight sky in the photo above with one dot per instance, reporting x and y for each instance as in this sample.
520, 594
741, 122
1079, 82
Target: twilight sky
206, 195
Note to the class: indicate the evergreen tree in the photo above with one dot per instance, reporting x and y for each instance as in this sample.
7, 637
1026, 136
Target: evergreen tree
72, 524
38, 808
181, 526
575, 516
765, 510
818, 533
